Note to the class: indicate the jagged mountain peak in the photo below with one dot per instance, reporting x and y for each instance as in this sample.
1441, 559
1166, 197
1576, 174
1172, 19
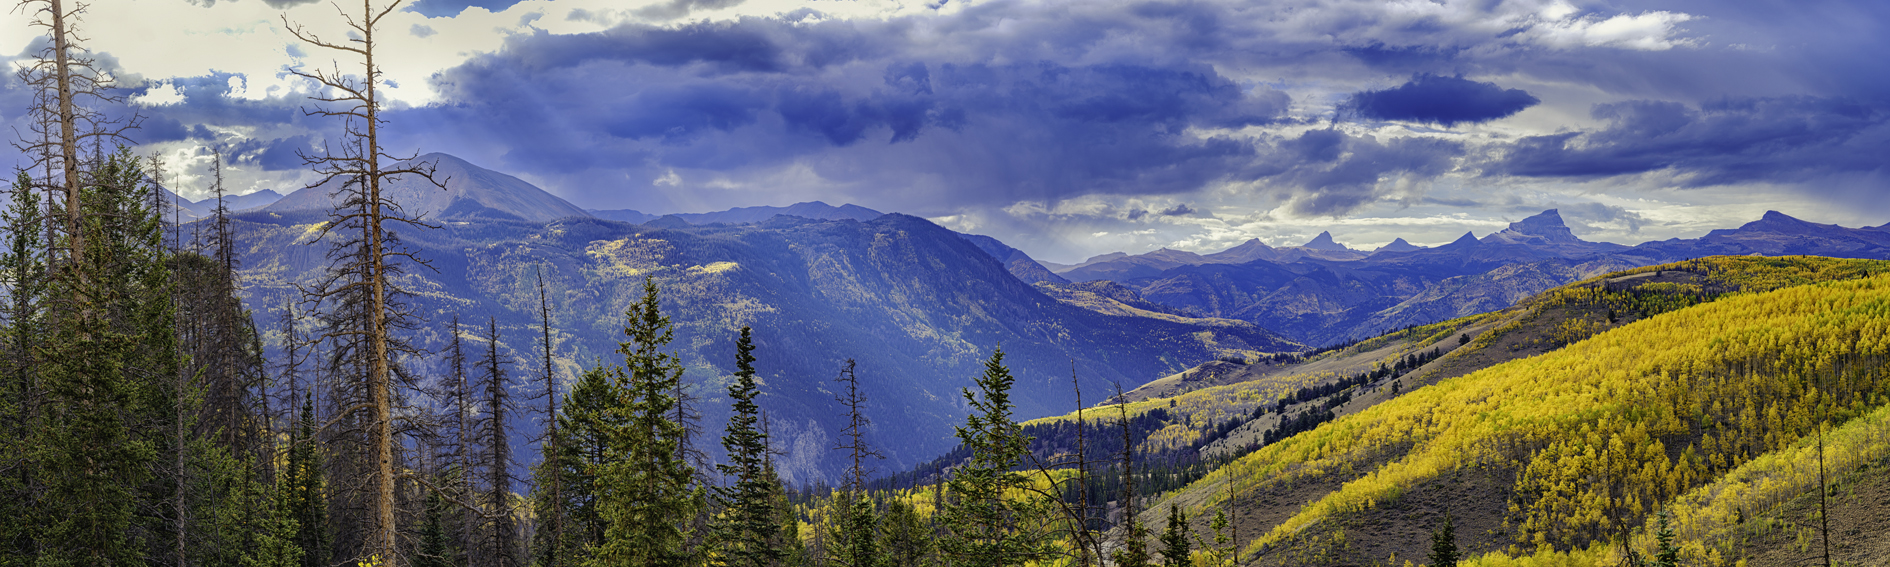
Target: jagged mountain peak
1324, 242
1543, 228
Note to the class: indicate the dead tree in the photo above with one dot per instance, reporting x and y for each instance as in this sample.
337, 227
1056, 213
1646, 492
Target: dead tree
370, 262
500, 545
66, 82
554, 521
853, 437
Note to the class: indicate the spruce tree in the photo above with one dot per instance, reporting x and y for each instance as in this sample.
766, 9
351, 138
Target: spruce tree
434, 546
1666, 554
646, 495
746, 527
985, 527
1175, 552
1444, 544
304, 492
105, 414
23, 268
855, 531
908, 539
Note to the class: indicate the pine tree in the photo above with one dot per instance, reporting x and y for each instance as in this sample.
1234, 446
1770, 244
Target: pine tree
23, 268
1175, 552
645, 492
1220, 552
1444, 544
855, 532
908, 539
110, 354
746, 527
1666, 554
985, 528
434, 547
304, 492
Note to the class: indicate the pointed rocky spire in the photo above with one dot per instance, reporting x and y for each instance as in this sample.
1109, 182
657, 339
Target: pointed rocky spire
1544, 228
1324, 242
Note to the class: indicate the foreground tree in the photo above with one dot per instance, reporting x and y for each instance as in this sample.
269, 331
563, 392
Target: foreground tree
645, 495
1175, 552
365, 265
746, 529
991, 521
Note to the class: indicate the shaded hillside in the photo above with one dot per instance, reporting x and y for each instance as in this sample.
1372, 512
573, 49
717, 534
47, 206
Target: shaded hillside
917, 305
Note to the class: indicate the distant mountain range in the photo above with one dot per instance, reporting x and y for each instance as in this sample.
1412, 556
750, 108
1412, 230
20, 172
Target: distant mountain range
185, 210
917, 306
1322, 292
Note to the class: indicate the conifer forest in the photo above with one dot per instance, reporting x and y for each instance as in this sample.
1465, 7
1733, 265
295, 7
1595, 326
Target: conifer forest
484, 383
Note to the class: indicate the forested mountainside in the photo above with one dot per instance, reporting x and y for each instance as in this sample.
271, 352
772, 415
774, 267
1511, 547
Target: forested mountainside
916, 306
1550, 432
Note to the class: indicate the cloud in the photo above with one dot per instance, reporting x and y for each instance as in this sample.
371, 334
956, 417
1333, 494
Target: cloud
1336, 172
854, 105
1443, 100
444, 8
1726, 142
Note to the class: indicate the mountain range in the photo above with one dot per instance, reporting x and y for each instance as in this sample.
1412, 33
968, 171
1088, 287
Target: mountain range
1322, 292
919, 307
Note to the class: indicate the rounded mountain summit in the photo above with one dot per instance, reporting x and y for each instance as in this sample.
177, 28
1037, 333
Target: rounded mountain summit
471, 192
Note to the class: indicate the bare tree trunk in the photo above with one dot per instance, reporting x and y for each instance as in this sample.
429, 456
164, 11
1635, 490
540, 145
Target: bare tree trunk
555, 523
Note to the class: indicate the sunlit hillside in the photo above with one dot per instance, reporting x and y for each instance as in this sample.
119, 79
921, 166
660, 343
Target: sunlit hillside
1579, 445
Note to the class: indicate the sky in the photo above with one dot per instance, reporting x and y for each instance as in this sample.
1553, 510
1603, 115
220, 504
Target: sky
1065, 128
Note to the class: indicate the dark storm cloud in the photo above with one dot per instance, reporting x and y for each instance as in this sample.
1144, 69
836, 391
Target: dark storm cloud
1730, 141
1336, 172
760, 93
1441, 100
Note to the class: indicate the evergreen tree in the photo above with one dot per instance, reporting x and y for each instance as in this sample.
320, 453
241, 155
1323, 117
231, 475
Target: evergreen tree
1220, 552
23, 269
645, 492
1666, 554
855, 532
1175, 552
304, 494
590, 415
746, 527
908, 539
985, 527
1444, 544
434, 545
105, 413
